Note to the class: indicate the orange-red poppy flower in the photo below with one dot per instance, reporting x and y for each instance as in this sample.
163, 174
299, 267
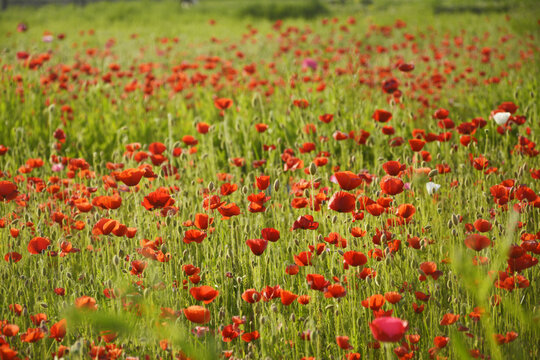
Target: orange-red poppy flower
223, 103
58, 330
131, 177
197, 314
38, 244
204, 293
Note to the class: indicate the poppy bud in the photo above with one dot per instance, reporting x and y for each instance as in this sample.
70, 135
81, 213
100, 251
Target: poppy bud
116, 260
455, 219
450, 224
245, 190
334, 219
211, 186
433, 173
276, 185
43, 305
317, 180
121, 253
312, 169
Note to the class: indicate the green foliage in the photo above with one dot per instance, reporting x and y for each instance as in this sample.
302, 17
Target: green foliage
276, 10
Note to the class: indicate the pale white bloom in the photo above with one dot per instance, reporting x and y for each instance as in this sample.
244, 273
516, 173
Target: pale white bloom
432, 187
501, 118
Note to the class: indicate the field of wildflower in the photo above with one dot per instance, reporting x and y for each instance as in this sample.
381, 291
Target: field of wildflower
240, 180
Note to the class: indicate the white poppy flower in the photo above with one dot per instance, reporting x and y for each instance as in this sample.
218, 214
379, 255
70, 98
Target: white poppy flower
432, 187
501, 117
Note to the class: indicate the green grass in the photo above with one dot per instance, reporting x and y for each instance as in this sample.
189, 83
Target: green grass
106, 118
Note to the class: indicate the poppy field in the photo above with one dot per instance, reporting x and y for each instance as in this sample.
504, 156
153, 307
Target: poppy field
201, 183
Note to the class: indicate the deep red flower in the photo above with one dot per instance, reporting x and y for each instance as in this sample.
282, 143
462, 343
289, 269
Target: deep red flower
342, 201
257, 246
382, 115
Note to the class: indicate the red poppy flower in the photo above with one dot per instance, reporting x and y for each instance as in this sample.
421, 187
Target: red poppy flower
86, 302
317, 282
197, 314
374, 302
251, 296
391, 185
305, 222
58, 330
343, 342
326, 118
335, 291
342, 201
13, 256
8, 190
393, 297
355, 258
194, 235
38, 244
393, 168
202, 221
449, 319
441, 114
441, 341
262, 182
158, 199
406, 211
257, 246
229, 210
131, 177
477, 242
270, 234
249, 337
388, 329
9, 330
482, 225
204, 293
382, 115
229, 333
416, 144
348, 180
32, 335
137, 267
406, 67
287, 297
223, 103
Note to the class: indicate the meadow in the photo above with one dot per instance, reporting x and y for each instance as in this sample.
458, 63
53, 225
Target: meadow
270, 180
